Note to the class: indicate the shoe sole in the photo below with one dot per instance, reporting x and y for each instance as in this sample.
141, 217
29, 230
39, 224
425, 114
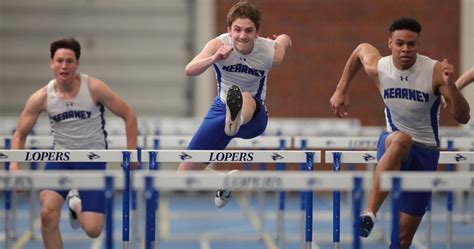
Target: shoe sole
365, 231
234, 101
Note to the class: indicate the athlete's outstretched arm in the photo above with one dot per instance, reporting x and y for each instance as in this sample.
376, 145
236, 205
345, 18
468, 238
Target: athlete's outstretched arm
282, 44
465, 79
101, 93
444, 83
35, 104
366, 56
213, 51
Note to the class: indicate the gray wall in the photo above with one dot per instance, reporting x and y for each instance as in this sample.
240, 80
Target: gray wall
139, 48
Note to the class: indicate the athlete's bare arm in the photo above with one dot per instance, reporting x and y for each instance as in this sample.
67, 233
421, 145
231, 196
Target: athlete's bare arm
282, 44
364, 56
465, 79
35, 104
443, 82
101, 93
213, 51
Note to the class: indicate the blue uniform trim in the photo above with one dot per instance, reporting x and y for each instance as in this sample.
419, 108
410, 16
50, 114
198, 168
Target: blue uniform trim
389, 118
260, 88
102, 118
52, 132
218, 78
434, 119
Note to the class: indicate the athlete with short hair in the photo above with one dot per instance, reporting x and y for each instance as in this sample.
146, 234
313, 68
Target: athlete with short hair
75, 104
411, 85
241, 60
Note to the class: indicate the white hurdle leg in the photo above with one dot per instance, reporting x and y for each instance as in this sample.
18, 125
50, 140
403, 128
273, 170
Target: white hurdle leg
262, 202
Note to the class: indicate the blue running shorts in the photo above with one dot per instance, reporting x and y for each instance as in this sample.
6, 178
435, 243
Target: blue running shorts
210, 134
419, 159
92, 200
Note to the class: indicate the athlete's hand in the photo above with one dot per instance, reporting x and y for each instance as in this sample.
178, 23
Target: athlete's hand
340, 104
272, 37
14, 166
134, 165
223, 52
448, 72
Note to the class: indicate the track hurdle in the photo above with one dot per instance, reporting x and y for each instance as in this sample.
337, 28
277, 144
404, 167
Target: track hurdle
259, 143
125, 157
35, 142
32, 142
371, 156
227, 156
422, 181
330, 142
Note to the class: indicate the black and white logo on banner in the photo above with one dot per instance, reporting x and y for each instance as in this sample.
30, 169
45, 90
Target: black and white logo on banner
93, 156
368, 157
185, 156
276, 156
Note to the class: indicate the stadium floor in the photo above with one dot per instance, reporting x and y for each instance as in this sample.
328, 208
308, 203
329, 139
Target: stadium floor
190, 220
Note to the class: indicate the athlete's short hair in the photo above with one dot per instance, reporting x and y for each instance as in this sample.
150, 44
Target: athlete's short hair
69, 43
244, 9
405, 23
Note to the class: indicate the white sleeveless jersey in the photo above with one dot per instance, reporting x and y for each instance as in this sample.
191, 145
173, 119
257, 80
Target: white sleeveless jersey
76, 123
248, 71
411, 105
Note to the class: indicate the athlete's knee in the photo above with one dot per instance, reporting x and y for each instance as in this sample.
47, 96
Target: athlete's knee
92, 230
50, 216
401, 141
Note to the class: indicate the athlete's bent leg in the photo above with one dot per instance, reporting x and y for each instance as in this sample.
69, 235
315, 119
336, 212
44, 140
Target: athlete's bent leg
92, 223
397, 147
51, 205
248, 108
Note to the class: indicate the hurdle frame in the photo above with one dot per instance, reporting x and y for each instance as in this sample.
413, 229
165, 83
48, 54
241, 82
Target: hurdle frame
157, 142
205, 156
446, 157
439, 181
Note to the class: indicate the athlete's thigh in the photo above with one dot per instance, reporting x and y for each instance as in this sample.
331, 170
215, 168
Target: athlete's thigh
92, 200
257, 124
210, 135
59, 166
386, 139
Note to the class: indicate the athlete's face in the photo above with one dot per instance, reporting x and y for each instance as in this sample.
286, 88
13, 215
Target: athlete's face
243, 33
64, 65
404, 46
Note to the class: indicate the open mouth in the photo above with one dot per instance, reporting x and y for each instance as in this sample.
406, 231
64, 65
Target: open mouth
405, 58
